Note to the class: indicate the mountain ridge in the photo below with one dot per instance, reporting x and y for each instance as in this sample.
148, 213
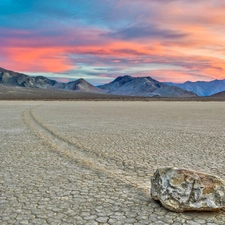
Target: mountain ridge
201, 88
11, 78
219, 94
122, 85
143, 86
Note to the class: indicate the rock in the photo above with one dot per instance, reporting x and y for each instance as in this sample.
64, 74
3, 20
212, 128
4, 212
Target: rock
185, 190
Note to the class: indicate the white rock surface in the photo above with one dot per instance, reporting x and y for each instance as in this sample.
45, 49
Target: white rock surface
184, 190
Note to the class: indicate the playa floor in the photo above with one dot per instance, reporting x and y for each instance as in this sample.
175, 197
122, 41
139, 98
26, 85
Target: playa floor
90, 162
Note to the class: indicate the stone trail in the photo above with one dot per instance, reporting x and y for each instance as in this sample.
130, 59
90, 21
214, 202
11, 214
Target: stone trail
49, 178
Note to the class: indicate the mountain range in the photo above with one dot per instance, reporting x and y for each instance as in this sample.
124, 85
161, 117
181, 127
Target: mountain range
123, 85
201, 88
219, 94
12, 78
143, 86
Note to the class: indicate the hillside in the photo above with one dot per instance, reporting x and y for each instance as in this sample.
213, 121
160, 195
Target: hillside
11, 78
201, 88
143, 86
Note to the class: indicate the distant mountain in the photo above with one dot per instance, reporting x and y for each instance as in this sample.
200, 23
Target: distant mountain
219, 94
12, 78
143, 86
83, 86
201, 88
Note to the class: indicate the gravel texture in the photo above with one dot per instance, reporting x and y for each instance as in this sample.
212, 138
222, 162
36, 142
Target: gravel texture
91, 162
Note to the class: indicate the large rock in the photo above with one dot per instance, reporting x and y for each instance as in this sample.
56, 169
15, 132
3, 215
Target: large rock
184, 190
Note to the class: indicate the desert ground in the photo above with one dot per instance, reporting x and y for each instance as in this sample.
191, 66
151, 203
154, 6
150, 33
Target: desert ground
90, 162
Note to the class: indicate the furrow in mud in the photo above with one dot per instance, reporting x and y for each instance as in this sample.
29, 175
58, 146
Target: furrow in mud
117, 161
73, 152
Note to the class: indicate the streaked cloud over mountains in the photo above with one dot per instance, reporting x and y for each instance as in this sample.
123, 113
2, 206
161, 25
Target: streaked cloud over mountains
100, 40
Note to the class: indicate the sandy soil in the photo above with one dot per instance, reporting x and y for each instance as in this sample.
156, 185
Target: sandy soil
91, 162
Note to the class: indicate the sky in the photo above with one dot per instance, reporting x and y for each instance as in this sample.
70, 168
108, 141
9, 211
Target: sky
99, 40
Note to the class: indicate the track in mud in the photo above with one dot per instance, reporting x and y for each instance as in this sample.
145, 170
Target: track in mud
90, 163
79, 154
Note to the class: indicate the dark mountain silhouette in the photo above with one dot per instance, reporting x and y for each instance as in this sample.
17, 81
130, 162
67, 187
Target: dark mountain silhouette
82, 85
219, 94
143, 86
201, 88
12, 78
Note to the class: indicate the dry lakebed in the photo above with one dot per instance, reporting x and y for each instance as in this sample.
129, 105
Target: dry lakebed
90, 162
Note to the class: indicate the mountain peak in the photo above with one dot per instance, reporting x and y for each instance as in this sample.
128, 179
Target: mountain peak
83, 86
11, 78
202, 88
123, 79
81, 80
143, 86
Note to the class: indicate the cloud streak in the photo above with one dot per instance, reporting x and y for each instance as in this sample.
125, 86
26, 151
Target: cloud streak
145, 31
168, 40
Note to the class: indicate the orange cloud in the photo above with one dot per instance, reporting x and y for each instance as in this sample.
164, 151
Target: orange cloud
37, 59
40, 58
192, 53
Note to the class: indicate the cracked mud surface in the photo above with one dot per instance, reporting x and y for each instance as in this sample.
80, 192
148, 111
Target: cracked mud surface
91, 162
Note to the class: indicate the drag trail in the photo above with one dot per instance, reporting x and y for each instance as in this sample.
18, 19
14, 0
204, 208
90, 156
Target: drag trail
91, 162
79, 154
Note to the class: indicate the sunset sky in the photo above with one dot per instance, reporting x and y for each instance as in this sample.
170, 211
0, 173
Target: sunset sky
98, 40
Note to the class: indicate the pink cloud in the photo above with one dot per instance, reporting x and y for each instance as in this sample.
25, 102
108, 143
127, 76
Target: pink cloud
186, 34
